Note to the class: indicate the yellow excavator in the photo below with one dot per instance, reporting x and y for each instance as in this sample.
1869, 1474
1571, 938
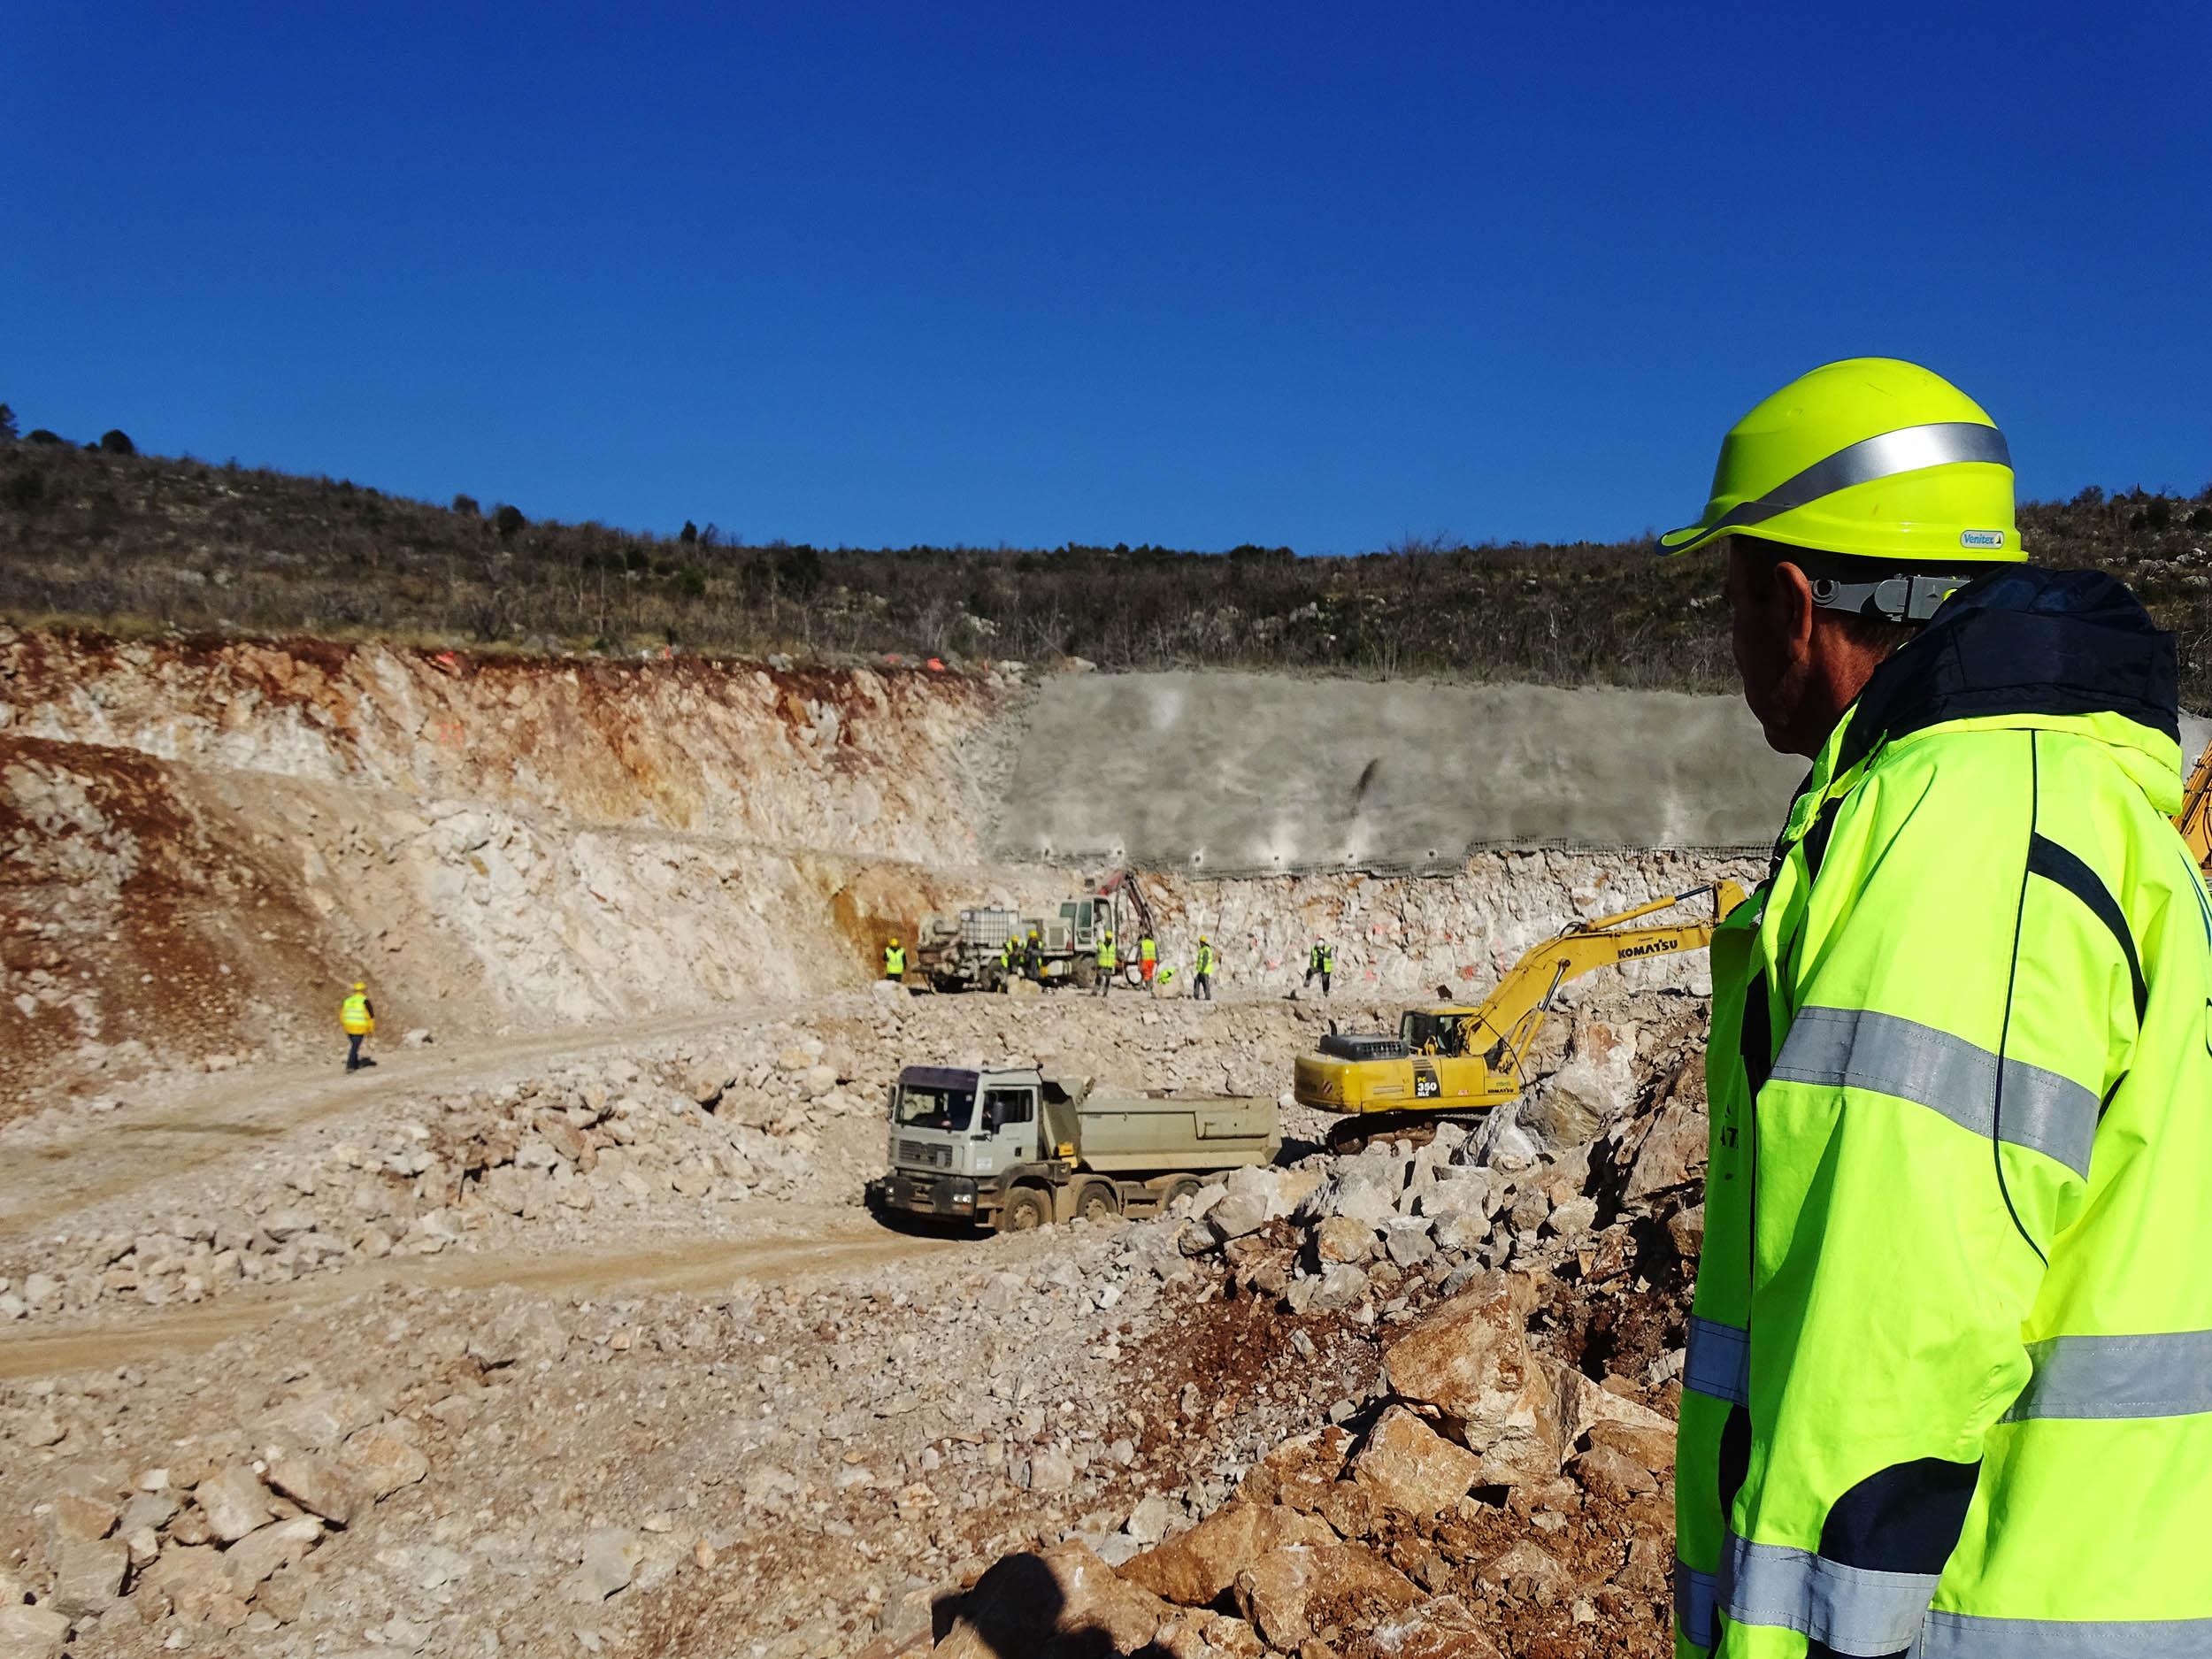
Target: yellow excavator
1454, 1059
2194, 820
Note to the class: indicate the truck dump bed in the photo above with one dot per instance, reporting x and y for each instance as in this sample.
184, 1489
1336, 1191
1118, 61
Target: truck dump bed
1122, 1131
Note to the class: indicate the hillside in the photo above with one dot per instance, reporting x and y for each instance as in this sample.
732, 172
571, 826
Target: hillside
132, 543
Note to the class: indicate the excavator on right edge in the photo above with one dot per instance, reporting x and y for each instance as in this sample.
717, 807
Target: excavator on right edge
2194, 820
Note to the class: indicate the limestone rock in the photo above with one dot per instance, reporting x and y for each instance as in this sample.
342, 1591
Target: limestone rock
1471, 1361
610, 1557
1341, 1239
31, 1632
261, 1553
88, 1576
1673, 1153
1439, 1629
234, 1501
1193, 1568
383, 1461
320, 1485
1411, 1467
1277, 1592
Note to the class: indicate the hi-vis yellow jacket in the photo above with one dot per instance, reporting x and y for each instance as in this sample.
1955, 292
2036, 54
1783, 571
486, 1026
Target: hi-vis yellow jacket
1948, 1391
354, 1015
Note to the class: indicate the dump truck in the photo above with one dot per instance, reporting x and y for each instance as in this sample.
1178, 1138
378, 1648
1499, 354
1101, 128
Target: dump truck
1009, 1147
1459, 1059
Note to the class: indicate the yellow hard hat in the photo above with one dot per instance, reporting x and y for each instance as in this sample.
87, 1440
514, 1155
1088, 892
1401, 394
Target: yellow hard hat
360, 985
895, 939
1872, 457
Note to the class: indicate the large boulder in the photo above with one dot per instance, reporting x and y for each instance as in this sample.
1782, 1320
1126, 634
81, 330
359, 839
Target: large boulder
1411, 1467
1193, 1568
1673, 1153
1470, 1361
1292, 1592
1596, 1086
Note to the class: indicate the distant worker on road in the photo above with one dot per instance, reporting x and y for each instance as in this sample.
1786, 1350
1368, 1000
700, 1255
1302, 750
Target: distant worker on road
1147, 959
1946, 1391
1202, 980
357, 1015
1108, 961
1320, 963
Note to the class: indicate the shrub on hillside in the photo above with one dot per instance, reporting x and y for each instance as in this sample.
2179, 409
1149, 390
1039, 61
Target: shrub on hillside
115, 440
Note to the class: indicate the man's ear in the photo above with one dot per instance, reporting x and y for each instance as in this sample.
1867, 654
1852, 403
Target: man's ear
1791, 609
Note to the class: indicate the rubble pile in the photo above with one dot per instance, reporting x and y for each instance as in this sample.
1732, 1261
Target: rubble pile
1503, 1482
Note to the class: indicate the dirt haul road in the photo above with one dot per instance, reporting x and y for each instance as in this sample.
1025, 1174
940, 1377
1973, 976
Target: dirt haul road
77, 1159
843, 1244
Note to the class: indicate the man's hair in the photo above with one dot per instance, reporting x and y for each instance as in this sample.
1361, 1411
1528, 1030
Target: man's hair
1869, 630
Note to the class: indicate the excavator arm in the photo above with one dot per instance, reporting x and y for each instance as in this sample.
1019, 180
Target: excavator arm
1513, 1012
2194, 820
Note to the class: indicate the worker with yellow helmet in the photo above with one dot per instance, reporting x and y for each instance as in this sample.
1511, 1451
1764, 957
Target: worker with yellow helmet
1202, 981
1948, 1387
357, 1015
894, 960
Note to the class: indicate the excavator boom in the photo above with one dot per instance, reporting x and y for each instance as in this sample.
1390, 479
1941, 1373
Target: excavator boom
2194, 820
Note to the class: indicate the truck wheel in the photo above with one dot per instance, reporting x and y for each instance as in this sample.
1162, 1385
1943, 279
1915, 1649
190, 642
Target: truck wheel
1026, 1211
1100, 1203
1181, 1187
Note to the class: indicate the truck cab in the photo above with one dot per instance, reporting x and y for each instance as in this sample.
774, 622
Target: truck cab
957, 1134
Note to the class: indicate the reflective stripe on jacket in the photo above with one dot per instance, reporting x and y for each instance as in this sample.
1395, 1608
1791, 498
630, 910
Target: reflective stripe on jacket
1949, 1381
1106, 955
893, 961
355, 1016
1147, 951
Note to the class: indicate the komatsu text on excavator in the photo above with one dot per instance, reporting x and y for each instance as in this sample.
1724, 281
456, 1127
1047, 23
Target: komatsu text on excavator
1459, 1059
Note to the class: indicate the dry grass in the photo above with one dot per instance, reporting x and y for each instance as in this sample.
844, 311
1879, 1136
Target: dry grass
137, 543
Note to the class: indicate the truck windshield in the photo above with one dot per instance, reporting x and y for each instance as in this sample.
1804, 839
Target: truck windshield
1442, 1034
922, 1108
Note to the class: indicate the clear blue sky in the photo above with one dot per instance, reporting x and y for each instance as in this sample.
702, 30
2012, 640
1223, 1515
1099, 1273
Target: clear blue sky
1193, 275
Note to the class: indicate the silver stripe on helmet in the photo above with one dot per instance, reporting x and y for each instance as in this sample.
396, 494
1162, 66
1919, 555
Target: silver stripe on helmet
1968, 1636
1884, 1054
1695, 1596
2158, 1374
1852, 1609
1886, 454
1718, 1362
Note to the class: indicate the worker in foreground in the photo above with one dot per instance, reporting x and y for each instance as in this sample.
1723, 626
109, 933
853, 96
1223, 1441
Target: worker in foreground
1202, 978
357, 1015
1949, 1389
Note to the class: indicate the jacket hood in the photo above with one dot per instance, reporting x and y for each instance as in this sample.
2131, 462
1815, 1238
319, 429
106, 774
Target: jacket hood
2071, 649
2029, 642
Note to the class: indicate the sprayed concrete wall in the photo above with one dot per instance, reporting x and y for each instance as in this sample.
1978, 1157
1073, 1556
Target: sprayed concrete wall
1246, 774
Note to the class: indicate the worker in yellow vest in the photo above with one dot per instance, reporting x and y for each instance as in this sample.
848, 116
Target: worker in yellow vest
894, 960
357, 1015
1202, 984
1147, 959
1321, 964
1109, 961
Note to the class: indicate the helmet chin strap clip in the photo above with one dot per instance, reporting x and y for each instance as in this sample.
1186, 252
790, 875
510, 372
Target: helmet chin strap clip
1899, 598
